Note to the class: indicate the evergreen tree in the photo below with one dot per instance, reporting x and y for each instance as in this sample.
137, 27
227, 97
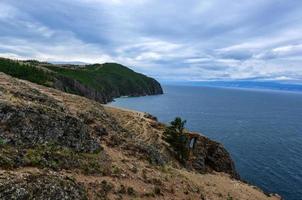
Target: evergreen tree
176, 137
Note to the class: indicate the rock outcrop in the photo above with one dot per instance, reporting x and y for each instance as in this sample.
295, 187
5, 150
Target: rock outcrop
208, 155
39, 186
32, 126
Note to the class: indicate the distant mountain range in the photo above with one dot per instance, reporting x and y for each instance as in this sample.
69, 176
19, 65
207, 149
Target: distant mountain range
261, 85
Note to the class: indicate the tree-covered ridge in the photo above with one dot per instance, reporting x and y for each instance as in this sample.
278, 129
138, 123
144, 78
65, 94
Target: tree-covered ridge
108, 77
101, 82
25, 71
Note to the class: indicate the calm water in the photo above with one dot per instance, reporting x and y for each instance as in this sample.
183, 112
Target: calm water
261, 129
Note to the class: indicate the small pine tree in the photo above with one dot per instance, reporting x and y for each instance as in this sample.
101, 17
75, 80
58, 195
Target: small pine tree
175, 136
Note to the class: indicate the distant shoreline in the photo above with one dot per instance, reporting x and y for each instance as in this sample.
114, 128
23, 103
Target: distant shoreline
255, 89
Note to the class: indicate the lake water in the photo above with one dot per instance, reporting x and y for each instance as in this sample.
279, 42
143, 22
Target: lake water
261, 129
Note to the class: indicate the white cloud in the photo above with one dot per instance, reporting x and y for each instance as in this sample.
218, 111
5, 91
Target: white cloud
288, 49
69, 50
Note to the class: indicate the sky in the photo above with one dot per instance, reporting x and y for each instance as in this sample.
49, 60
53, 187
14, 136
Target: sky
171, 40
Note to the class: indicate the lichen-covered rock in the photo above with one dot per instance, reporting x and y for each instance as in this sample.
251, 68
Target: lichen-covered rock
29, 118
32, 126
25, 186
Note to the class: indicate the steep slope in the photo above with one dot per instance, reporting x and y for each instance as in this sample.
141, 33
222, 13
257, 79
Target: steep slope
100, 82
58, 145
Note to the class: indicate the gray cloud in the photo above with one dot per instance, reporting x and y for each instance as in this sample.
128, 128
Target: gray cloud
171, 40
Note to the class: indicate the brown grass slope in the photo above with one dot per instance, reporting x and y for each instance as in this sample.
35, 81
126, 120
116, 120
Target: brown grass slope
55, 145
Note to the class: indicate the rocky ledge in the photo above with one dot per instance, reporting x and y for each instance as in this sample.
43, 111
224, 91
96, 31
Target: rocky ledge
58, 145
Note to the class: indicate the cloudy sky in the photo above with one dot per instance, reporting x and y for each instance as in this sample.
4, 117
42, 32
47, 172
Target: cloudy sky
167, 39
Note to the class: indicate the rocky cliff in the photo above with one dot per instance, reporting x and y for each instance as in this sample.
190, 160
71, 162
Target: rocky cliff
74, 86
208, 156
55, 145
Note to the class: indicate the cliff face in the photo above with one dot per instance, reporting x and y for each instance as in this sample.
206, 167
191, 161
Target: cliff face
58, 145
73, 86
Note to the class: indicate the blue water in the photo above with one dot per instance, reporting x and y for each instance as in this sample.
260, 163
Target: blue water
261, 129
263, 85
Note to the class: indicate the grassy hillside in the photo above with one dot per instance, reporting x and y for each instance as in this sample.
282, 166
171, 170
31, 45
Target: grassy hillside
101, 82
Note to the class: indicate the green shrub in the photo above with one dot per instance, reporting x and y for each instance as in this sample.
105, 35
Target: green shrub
157, 190
131, 191
2, 142
229, 197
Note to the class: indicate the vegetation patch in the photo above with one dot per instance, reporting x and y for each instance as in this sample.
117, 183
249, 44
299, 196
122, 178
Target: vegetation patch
105, 188
56, 158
